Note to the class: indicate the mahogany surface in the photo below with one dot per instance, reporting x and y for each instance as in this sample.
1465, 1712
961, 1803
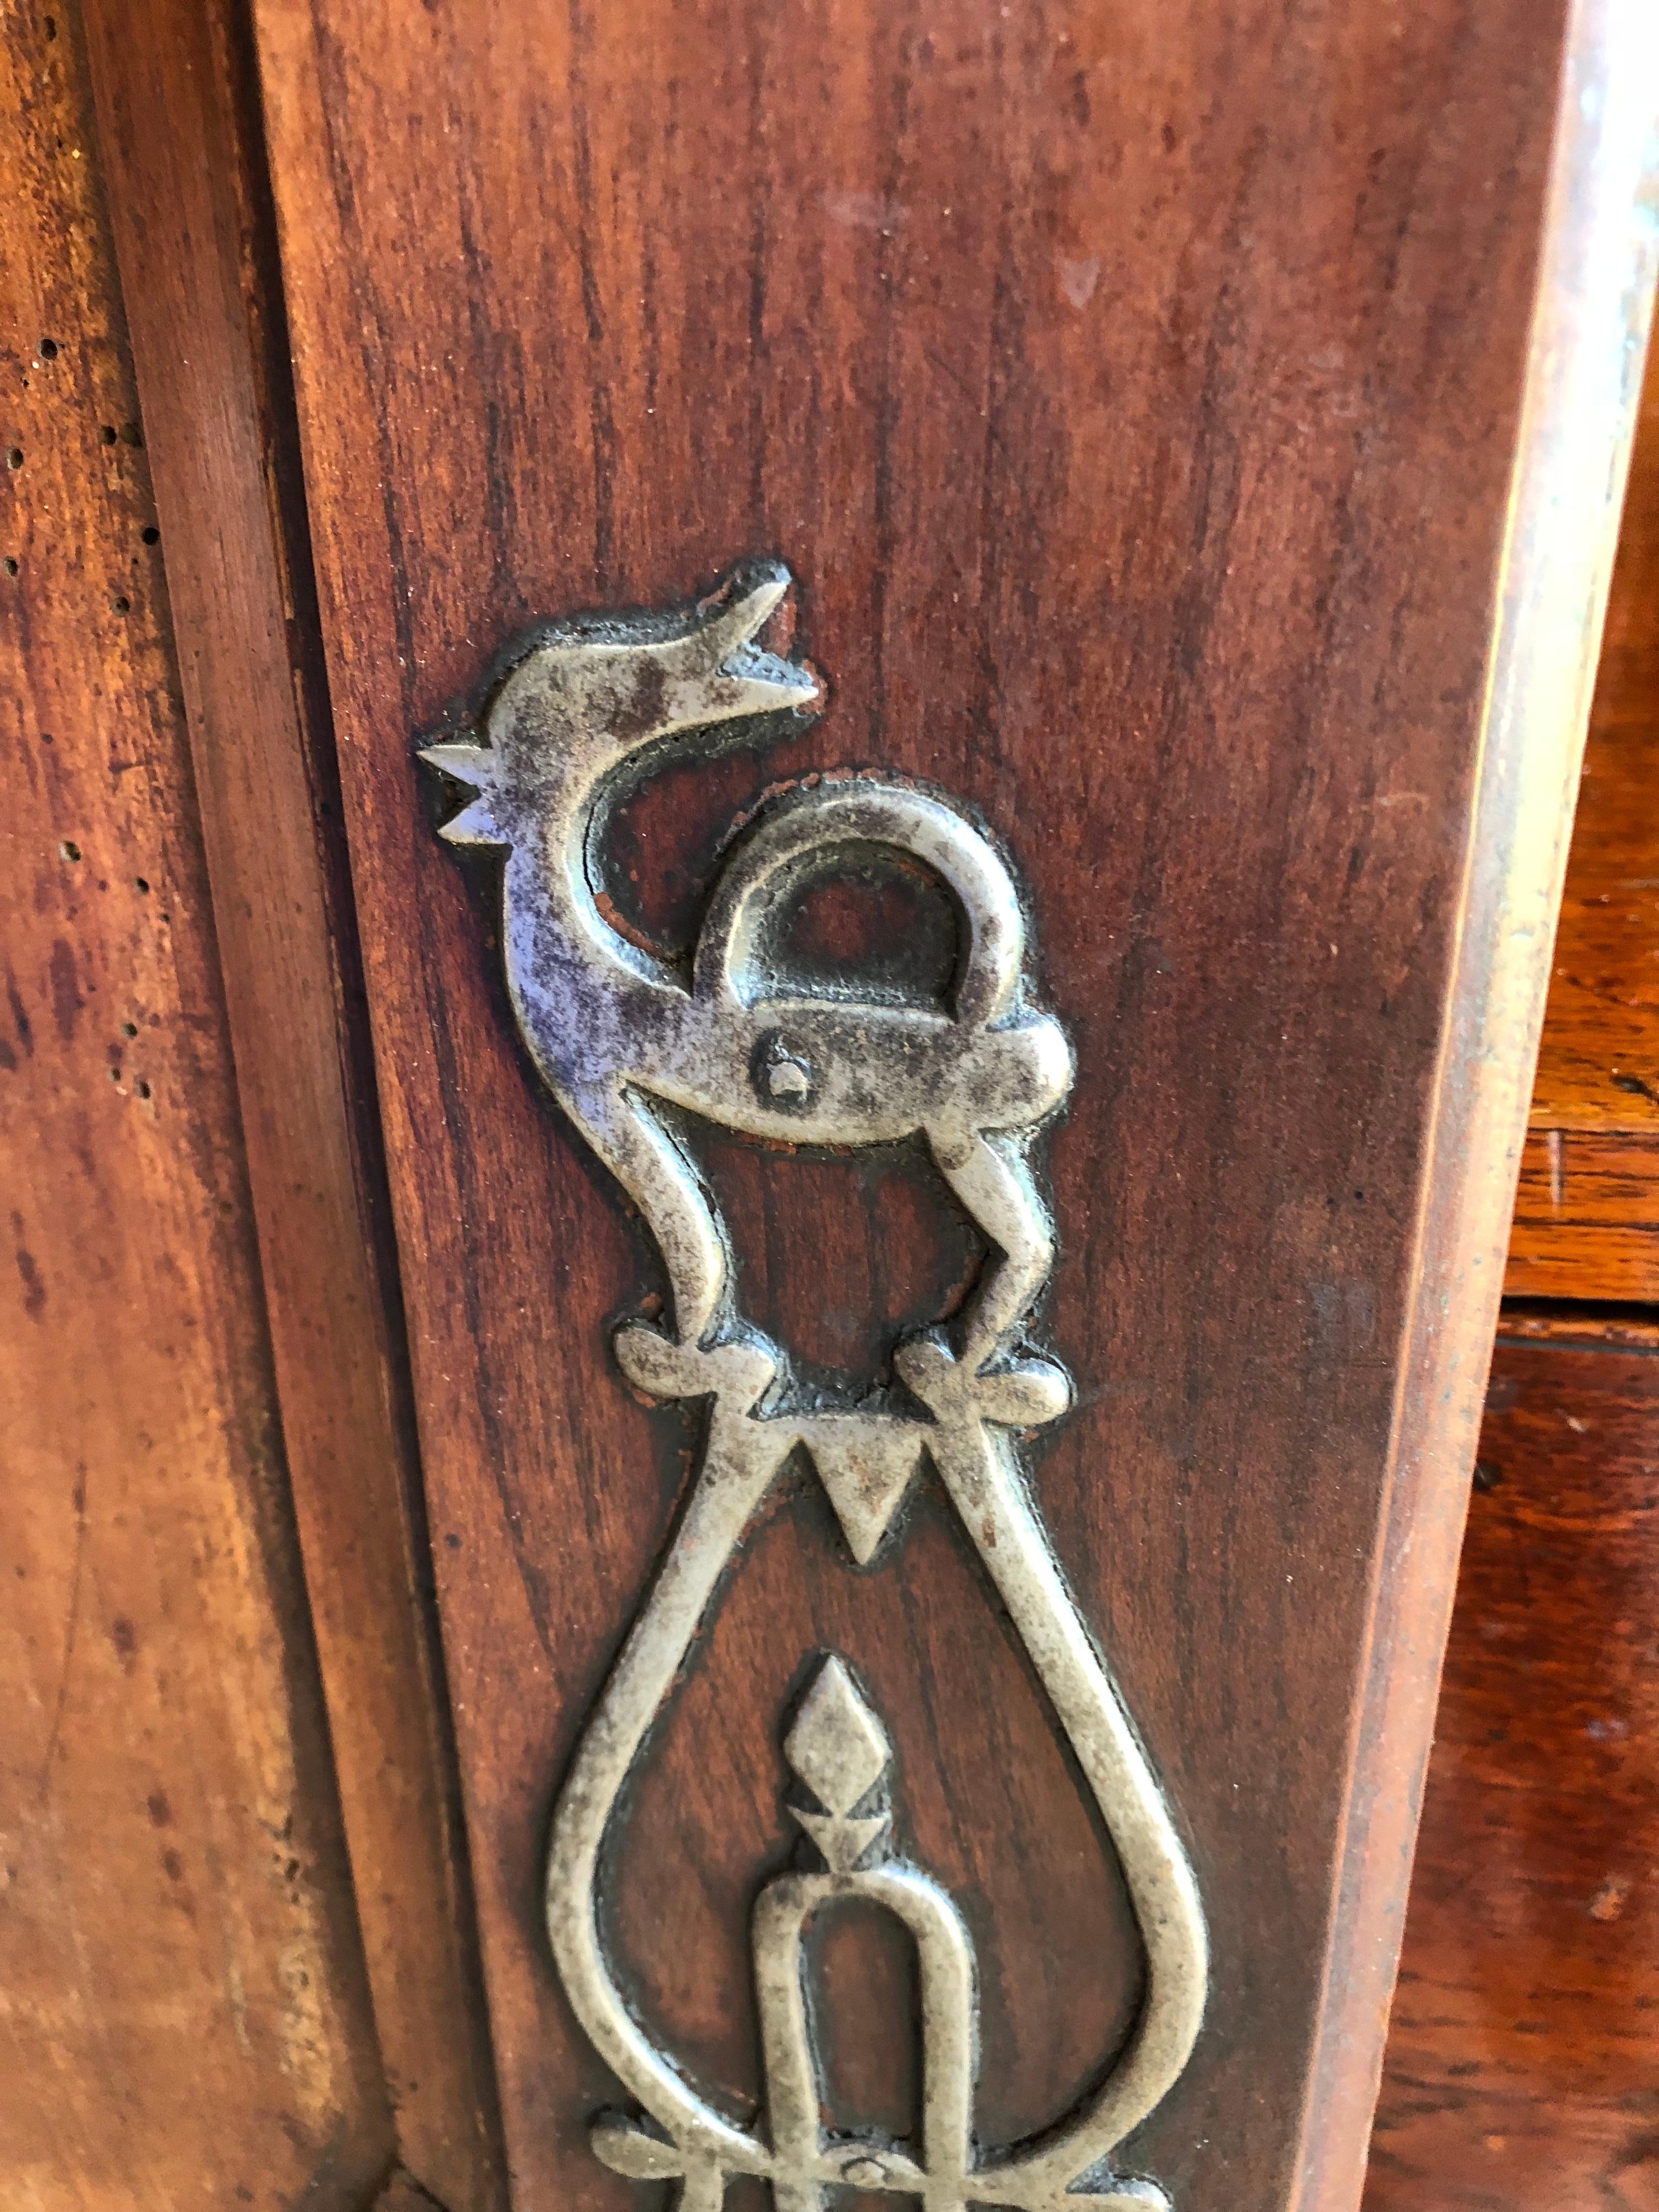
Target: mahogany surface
1587, 1216
183, 2014
1587, 1222
1135, 398
1598, 1065
1521, 2069
191, 218
1525, 2036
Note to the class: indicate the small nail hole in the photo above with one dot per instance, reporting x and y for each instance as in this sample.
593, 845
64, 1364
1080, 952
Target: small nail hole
14, 457
121, 604
129, 1028
142, 1089
9, 565
151, 535
48, 349
107, 436
69, 850
140, 883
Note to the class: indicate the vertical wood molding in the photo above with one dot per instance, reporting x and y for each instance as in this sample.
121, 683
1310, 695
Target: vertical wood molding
184, 2018
178, 125
1592, 313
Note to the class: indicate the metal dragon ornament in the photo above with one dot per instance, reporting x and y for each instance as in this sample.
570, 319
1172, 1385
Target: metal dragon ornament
618, 1036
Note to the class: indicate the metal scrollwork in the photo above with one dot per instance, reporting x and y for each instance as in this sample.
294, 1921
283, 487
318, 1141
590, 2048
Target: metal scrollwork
618, 1036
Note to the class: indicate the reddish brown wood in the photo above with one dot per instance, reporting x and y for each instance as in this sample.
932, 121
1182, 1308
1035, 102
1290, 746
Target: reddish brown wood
185, 2025
1579, 1323
179, 127
1598, 1065
403, 2193
1587, 1222
1587, 1216
1588, 336
1524, 2047
1522, 2042
1136, 396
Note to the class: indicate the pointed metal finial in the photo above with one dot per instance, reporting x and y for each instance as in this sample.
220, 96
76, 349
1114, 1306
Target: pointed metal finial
837, 1745
839, 1750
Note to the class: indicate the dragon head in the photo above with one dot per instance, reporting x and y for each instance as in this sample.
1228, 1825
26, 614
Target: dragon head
574, 706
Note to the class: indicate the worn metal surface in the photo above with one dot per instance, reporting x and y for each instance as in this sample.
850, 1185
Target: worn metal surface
618, 1036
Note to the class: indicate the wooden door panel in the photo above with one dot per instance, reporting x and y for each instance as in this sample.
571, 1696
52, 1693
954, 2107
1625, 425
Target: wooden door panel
1097, 415
184, 2018
1141, 403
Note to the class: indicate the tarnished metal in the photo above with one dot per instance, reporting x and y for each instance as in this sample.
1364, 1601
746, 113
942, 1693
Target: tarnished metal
619, 1037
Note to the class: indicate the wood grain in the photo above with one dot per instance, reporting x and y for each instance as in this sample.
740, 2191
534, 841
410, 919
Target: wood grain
1589, 332
403, 2193
185, 2021
191, 211
1577, 1322
1522, 2056
1589, 1205
1136, 396
1598, 1065
1521, 2046
1587, 1216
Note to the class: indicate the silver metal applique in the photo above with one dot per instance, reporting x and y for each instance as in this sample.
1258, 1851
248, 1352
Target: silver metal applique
619, 1037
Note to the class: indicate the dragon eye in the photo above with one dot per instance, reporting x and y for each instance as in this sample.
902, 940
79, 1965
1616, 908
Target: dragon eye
788, 1079
781, 1076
